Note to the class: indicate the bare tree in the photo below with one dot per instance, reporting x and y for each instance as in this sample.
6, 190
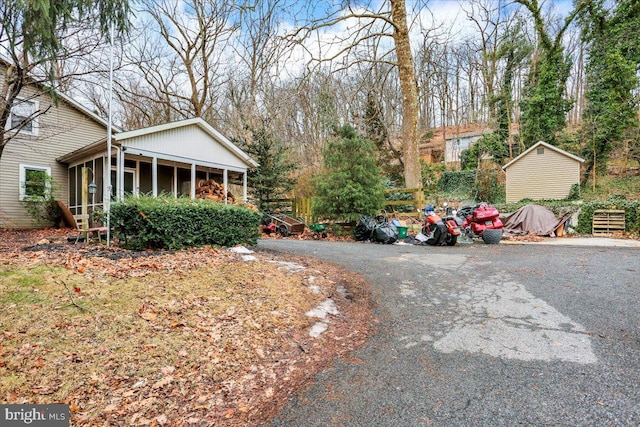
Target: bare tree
176, 59
259, 50
390, 20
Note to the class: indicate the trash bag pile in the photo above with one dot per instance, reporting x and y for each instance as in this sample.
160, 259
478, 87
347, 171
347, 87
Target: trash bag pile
378, 230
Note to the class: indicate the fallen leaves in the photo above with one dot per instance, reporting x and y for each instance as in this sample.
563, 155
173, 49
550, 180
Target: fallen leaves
169, 338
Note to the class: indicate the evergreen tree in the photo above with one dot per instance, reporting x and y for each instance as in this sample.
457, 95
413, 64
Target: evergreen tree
351, 185
272, 178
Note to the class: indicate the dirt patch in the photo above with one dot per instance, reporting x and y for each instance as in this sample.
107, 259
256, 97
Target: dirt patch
194, 337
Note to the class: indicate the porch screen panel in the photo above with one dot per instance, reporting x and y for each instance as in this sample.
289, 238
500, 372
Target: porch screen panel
78, 185
72, 187
146, 179
184, 182
200, 176
99, 178
165, 179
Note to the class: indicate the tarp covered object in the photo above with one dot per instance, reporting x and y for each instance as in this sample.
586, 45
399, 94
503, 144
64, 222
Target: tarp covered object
533, 219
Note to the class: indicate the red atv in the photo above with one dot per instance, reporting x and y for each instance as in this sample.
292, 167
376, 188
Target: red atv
481, 221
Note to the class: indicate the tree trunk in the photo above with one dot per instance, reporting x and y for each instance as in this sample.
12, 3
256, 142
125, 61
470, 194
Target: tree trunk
409, 90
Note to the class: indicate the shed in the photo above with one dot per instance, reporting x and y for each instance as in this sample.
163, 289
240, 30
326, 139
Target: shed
543, 172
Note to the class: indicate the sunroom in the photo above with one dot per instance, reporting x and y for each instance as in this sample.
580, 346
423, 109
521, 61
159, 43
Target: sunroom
170, 159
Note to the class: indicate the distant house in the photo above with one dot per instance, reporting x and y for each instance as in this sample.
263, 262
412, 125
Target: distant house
448, 142
543, 172
457, 143
166, 159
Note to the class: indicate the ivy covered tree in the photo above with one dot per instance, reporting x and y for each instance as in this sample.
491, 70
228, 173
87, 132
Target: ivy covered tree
545, 103
351, 184
613, 58
388, 157
272, 179
513, 49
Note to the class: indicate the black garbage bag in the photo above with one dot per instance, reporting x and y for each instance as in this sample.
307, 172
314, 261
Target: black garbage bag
364, 229
438, 234
386, 233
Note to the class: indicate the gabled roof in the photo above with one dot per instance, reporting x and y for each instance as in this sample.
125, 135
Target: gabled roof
198, 121
84, 110
550, 147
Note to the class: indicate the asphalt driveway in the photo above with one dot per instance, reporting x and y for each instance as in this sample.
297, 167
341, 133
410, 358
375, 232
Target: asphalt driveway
484, 335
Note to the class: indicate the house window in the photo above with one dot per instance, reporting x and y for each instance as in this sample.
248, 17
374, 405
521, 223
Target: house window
22, 118
34, 182
540, 150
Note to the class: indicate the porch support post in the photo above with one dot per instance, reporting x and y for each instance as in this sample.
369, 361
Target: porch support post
122, 176
119, 174
154, 175
244, 187
225, 178
193, 181
175, 181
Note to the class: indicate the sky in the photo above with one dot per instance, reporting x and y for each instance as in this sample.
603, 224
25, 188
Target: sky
449, 15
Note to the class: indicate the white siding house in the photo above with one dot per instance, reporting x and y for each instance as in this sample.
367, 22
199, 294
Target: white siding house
68, 138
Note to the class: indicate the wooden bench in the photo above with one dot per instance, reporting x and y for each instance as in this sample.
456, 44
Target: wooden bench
607, 221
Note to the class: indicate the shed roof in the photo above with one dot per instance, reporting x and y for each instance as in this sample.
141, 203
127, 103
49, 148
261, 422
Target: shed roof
543, 144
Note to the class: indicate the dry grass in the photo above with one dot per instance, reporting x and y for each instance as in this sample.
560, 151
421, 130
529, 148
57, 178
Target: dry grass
222, 342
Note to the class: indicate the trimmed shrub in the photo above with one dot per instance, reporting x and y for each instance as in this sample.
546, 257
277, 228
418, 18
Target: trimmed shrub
169, 223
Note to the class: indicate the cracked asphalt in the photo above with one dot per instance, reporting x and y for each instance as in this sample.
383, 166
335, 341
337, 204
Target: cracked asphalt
483, 335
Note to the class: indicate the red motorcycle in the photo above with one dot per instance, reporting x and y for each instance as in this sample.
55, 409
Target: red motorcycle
439, 230
481, 221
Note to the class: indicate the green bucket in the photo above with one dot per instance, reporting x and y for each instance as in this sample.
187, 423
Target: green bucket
402, 232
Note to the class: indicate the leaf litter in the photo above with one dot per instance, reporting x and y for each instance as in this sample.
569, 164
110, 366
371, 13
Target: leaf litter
180, 338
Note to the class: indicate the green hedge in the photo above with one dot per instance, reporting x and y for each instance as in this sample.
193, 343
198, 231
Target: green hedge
169, 223
482, 184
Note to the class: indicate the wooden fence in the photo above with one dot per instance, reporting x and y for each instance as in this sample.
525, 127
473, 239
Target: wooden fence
407, 208
301, 208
